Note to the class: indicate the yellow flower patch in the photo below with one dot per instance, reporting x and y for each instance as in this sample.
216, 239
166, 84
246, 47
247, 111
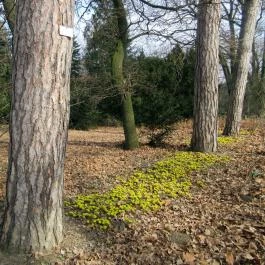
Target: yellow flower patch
144, 190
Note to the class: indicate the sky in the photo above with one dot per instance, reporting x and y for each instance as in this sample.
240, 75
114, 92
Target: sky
149, 44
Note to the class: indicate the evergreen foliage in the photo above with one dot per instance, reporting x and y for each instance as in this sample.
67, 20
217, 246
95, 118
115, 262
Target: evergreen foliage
76, 60
167, 94
162, 87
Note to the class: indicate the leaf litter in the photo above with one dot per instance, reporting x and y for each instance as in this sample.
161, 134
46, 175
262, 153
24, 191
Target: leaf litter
223, 222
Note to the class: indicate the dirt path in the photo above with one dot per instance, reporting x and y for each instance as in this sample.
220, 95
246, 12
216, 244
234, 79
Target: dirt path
222, 223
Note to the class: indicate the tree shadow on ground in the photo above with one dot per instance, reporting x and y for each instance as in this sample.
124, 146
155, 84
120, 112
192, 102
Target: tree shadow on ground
98, 144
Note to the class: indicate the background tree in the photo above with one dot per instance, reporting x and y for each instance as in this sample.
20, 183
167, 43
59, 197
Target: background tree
118, 57
39, 121
76, 60
204, 136
93, 88
239, 81
163, 94
79, 101
5, 76
230, 25
10, 12
263, 79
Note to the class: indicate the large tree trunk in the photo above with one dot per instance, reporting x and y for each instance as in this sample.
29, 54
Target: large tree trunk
235, 107
131, 139
204, 137
39, 121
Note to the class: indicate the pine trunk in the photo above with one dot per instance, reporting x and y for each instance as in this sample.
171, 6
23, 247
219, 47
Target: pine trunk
38, 127
235, 107
204, 137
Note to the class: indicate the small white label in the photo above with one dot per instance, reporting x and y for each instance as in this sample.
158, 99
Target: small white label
66, 31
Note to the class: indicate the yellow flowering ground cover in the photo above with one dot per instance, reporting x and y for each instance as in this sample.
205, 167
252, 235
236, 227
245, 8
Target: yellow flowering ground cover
144, 190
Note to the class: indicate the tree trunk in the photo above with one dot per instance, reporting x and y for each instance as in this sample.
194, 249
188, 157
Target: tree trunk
262, 113
228, 64
232, 39
235, 107
131, 139
226, 71
204, 137
263, 59
39, 121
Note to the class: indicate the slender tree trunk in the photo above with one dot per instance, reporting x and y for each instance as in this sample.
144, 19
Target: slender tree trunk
228, 64
204, 137
263, 59
235, 107
263, 80
226, 71
254, 63
39, 121
232, 40
131, 139
120, 54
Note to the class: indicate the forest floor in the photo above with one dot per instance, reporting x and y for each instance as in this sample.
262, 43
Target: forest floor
222, 222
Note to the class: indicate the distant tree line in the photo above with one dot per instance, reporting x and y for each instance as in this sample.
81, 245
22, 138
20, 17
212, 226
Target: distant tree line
162, 89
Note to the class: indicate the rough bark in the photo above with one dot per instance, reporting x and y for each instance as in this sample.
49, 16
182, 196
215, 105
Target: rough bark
235, 107
204, 137
120, 54
39, 121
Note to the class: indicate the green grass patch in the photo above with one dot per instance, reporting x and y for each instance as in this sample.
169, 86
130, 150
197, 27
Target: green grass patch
144, 190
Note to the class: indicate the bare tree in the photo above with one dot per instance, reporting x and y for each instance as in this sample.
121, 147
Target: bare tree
119, 55
239, 81
263, 79
39, 121
230, 25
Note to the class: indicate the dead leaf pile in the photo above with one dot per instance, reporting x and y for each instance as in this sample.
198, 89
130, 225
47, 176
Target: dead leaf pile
222, 223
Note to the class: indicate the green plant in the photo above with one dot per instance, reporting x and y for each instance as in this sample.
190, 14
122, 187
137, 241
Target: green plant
224, 140
144, 190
